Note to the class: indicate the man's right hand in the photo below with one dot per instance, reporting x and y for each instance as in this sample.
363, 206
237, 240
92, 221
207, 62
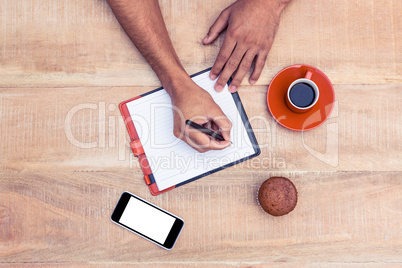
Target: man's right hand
143, 22
190, 102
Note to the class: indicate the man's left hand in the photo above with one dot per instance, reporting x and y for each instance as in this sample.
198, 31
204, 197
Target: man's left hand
251, 28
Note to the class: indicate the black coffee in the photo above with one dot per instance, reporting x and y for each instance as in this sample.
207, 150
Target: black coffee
302, 95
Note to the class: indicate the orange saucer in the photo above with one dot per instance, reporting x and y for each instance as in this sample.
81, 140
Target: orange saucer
276, 96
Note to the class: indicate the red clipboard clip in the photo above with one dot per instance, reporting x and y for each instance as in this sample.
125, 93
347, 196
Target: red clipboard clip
137, 148
147, 180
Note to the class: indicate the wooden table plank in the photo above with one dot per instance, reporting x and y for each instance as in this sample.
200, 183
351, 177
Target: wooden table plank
341, 217
205, 265
79, 43
81, 129
64, 159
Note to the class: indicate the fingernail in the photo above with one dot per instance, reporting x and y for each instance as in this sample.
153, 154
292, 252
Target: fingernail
233, 89
212, 76
219, 88
205, 39
253, 82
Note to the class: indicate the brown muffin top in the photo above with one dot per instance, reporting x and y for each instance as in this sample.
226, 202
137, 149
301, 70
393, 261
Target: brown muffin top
277, 196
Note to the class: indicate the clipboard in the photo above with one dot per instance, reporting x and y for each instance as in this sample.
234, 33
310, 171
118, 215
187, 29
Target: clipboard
138, 149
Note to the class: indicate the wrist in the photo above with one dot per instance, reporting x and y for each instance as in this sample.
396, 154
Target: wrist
277, 5
281, 4
176, 82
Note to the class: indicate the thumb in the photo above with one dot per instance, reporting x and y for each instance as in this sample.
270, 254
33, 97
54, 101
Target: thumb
219, 25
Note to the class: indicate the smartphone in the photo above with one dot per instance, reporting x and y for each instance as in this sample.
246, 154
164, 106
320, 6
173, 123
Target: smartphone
147, 220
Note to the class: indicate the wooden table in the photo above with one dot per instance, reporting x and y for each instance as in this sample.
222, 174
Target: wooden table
65, 66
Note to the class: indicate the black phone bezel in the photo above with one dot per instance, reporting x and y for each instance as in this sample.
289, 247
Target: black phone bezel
173, 233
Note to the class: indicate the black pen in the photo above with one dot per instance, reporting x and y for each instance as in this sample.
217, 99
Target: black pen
204, 130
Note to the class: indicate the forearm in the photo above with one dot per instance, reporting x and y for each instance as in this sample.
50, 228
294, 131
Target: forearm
143, 22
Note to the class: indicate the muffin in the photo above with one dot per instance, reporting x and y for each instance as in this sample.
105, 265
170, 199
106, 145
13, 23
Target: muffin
277, 196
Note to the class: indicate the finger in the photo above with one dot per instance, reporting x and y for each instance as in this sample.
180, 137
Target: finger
202, 142
259, 65
219, 25
219, 145
230, 67
200, 120
193, 144
223, 123
208, 125
223, 55
244, 66
214, 126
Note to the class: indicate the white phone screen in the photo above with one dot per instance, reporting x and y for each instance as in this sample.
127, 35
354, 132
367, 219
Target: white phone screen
147, 220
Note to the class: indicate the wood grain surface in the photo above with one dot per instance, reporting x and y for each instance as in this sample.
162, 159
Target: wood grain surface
65, 160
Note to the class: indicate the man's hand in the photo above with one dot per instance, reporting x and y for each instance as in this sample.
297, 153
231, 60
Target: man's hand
251, 28
197, 105
143, 22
